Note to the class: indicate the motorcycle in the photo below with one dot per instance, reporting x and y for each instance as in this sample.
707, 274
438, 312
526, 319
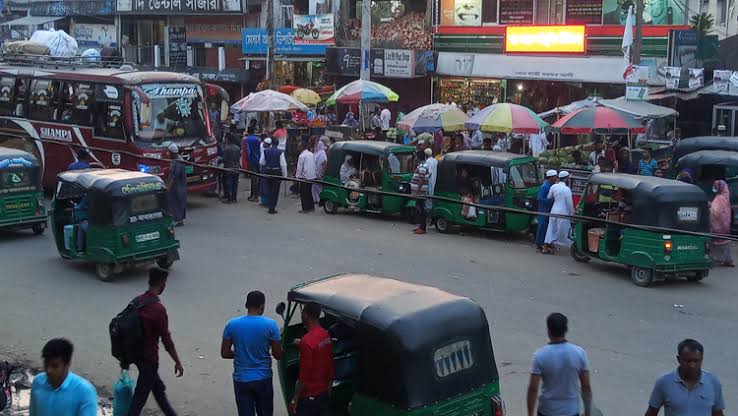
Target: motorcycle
307, 29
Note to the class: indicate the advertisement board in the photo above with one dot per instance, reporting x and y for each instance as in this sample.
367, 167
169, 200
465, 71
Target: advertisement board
214, 29
178, 6
461, 12
314, 29
255, 42
683, 48
583, 12
655, 12
399, 63
91, 35
516, 12
387, 63
544, 39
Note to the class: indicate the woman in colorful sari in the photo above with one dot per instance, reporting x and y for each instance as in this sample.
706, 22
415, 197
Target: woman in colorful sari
720, 217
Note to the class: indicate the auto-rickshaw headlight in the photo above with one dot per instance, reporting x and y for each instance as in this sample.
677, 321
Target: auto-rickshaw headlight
171, 230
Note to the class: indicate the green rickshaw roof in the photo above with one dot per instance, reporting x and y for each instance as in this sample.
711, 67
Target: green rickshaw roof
695, 144
658, 189
376, 148
116, 182
15, 158
708, 157
483, 157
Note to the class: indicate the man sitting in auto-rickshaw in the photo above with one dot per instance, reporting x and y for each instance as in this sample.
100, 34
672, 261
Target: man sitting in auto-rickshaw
81, 212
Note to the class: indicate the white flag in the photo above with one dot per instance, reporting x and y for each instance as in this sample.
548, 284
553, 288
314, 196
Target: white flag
627, 43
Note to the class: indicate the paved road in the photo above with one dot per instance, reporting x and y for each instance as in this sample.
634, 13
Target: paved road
630, 333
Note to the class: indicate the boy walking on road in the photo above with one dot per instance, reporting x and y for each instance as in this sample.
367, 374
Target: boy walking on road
247, 340
564, 371
155, 325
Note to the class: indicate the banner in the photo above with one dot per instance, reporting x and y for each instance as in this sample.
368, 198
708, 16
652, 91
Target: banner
386, 63
256, 42
178, 6
461, 12
177, 46
90, 35
314, 29
516, 12
683, 48
673, 74
696, 78
214, 29
721, 81
655, 12
583, 12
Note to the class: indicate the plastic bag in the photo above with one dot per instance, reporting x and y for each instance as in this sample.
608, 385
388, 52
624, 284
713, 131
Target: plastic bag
122, 394
60, 44
91, 55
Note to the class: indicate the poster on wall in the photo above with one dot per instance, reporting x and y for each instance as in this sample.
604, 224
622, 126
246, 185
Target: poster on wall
673, 74
655, 12
721, 81
90, 35
177, 46
461, 12
315, 29
583, 12
516, 12
683, 48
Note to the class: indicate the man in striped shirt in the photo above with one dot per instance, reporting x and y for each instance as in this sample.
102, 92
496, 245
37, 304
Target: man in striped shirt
419, 187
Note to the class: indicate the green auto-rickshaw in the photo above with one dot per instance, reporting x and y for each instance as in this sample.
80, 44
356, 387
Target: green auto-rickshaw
399, 349
644, 201
21, 194
706, 166
113, 218
487, 178
695, 144
382, 166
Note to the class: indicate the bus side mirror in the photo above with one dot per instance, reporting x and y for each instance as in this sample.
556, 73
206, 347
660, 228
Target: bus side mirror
280, 309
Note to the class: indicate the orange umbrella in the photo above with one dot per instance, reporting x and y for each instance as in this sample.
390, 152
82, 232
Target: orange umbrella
287, 89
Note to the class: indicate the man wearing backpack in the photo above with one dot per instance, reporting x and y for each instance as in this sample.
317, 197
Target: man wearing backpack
155, 325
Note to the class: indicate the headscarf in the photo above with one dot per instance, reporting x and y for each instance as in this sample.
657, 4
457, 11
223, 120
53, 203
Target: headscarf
321, 159
720, 210
173, 148
347, 171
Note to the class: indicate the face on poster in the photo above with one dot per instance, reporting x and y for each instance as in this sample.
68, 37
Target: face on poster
461, 12
655, 12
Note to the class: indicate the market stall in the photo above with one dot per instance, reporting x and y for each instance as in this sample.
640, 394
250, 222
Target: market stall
470, 92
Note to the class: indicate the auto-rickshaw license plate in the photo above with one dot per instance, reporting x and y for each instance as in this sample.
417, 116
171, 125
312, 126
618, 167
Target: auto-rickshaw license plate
189, 170
687, 213
147, 237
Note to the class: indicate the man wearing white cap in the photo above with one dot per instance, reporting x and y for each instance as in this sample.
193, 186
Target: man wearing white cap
558, 228
544, 205
177, 186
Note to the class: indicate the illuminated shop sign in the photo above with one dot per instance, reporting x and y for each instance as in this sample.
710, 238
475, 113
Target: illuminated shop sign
544, 39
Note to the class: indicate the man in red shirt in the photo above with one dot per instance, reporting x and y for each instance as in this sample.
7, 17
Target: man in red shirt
312, 391
155, 325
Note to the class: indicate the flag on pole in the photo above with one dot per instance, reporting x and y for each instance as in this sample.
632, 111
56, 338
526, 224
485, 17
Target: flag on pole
629, 70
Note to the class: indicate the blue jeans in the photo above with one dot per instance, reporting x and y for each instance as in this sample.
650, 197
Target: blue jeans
541, 230
254, 398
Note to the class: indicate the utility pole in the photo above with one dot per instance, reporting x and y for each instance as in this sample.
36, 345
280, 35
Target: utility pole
636, 58
270, 48
366, 38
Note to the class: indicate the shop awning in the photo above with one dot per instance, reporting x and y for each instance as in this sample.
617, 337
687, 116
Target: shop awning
32, 21
641, 109
605, 70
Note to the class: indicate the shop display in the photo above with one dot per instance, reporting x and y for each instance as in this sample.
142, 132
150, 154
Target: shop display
468, 92
405, 32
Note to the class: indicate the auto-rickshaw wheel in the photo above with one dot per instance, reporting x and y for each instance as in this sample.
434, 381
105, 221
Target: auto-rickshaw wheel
105, 271
578, 255
697, 276
330, 207
641, 276
38, 229
442, 225
164, 262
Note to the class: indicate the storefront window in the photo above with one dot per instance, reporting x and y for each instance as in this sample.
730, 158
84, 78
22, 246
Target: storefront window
470, 91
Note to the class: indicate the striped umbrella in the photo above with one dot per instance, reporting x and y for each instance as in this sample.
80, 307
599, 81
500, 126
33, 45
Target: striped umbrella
601, 120
432, 117
361, 91
506, 118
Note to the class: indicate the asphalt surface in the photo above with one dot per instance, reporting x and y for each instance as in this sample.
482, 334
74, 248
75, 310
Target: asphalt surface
630, 333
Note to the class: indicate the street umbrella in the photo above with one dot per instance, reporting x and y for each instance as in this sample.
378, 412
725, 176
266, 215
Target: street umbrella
432, 117
306, 96
287, 89
601, 120
267, 101
506, 118
361, 91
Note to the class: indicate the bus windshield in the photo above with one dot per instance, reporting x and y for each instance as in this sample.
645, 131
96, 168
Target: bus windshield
165, 113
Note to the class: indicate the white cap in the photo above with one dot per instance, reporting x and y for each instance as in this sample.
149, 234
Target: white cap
428, 152
173, 148
551, 172
268, 140
563, 174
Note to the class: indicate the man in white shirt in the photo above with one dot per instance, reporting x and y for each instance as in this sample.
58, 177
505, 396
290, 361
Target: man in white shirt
384, 118
432, 168
595, 156
477, 139
306, 171
538, 143
558, 228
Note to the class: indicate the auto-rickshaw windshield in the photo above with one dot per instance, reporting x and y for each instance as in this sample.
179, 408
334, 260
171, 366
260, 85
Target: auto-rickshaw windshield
400, 163
525, 175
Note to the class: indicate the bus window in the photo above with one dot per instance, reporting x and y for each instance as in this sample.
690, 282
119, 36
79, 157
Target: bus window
109, 120
21, 88
40, 108
7, 93
83, 104
63, 102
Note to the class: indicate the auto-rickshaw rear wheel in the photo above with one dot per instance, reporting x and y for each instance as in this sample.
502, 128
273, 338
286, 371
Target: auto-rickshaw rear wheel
577, 255
330, 207
164, 262
697, 276
105, 271
442, 225
38, 229
641, 276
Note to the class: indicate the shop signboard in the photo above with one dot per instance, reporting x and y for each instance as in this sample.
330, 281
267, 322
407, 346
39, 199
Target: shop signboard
399, 63
461, 12
66, 8
256, 42
92, 35
314, 29
217, 30
636, 92
655, 12
544, 39
387, 63
178, 7
177, 46
583, 12
516, 12
683, 48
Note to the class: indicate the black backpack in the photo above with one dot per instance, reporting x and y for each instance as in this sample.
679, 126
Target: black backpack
126, 332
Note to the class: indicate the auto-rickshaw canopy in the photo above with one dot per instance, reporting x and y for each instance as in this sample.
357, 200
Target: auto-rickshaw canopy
418, 345
338, 151
708, 157
695, 144
113, 182
661, 202
447, 167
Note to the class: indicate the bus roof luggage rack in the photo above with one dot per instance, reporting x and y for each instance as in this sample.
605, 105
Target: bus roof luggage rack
17, 55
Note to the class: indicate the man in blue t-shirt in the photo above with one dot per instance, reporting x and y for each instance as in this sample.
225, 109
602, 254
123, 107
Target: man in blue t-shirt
252, 151
248, 340
82, 162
